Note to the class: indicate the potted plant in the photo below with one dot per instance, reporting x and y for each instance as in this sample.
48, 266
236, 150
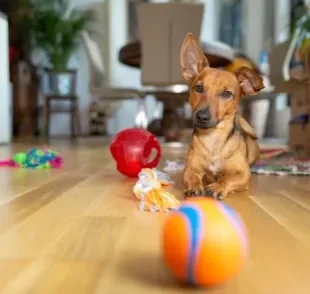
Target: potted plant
300, 42
54, 28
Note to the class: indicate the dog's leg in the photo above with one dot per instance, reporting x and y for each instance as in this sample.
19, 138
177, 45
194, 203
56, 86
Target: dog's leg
208, 179
253, 151
229, 181
193, 181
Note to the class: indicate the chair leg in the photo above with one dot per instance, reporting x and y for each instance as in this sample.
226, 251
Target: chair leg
78, 121
73, 112
141, 118
47, 117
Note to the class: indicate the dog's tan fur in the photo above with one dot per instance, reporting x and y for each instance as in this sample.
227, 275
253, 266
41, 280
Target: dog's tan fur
220, 154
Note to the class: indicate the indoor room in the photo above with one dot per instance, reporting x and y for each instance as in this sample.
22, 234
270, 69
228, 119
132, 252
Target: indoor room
181, 125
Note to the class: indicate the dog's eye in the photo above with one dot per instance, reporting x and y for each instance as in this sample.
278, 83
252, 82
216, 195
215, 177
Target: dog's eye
226, 94
199, 88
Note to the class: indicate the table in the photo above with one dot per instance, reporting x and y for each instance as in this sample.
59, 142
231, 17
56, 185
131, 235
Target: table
218, 54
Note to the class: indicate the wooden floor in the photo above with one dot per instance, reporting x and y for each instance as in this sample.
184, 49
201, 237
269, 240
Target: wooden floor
78, 230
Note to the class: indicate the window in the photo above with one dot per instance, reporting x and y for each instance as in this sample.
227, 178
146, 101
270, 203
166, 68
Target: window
231, 23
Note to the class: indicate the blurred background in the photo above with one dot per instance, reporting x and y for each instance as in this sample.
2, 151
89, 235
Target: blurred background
90, 68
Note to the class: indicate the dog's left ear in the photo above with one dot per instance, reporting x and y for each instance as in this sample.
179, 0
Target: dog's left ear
192, 58
250, 82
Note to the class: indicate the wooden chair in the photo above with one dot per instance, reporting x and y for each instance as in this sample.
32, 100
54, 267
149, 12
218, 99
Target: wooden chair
73, 109
109, 97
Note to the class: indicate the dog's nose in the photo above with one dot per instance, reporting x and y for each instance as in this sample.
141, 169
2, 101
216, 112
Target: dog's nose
203, 115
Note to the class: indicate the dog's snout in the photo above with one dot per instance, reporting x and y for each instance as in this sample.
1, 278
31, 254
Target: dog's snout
203, 115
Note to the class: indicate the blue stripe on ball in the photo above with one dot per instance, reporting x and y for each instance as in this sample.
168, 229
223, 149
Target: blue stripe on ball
230, 212
194, 220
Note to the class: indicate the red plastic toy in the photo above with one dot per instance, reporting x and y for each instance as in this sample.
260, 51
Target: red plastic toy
132, 148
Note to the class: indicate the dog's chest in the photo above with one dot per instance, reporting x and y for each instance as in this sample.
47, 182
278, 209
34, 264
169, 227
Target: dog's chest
213, 144
215, 165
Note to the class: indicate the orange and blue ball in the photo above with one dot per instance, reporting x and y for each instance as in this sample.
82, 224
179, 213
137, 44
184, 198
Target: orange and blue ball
204, 242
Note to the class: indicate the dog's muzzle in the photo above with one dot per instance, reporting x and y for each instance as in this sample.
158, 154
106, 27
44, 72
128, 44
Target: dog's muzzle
203, 119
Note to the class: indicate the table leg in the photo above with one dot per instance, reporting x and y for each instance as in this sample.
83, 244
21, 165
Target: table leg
171, 125
172, 122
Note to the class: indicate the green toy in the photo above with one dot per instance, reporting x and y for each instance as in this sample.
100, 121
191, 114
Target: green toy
35, 158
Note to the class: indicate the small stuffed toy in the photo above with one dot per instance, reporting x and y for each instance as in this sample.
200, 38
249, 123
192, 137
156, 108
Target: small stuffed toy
35, 158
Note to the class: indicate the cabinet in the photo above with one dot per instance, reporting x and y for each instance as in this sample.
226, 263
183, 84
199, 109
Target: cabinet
5, 105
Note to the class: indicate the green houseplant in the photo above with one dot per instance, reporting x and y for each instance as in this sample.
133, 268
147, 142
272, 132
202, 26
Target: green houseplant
54, 28
299, 48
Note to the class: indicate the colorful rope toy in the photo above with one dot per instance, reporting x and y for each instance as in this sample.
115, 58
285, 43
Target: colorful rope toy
35, 158
149, 189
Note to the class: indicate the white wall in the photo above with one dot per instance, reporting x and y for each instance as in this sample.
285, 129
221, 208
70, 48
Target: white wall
5, 109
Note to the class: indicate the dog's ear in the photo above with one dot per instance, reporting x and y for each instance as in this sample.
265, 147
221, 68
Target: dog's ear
250, 82
193, 59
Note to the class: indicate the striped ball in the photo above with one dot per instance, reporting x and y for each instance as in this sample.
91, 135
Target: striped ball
204, 242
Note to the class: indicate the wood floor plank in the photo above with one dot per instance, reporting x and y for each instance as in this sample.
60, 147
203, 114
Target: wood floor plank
44, 277
119, 199
10, 269
43, 228
16, 182
66, 277
273, 250
136, 263
88, 239
289, 214
295, 193
14, 212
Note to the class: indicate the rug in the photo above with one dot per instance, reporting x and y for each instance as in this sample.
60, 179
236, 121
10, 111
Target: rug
282, 163
278, 161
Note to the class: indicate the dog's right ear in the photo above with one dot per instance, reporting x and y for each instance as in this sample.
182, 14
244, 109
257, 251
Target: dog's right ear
193, 59
250, 82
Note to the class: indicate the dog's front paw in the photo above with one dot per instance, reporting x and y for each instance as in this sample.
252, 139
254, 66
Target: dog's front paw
216, 191
194, 192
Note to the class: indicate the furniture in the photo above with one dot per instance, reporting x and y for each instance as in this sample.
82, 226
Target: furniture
161, 40
25, 82
158, 55
218, 53
72, 110
279, 66
109, 97
294, 80
97, 120
5, 109
5, 7
23, 75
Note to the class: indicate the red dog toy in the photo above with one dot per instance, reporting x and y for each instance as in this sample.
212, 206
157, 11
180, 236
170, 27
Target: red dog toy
131, 149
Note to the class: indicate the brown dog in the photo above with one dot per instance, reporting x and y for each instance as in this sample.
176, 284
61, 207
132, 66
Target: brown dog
223, 145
